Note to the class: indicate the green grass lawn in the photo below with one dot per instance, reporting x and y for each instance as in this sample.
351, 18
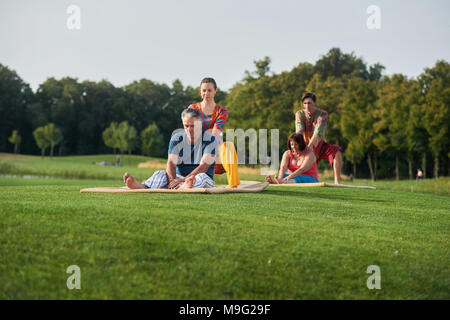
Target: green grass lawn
283, 243
86, 167
80, 167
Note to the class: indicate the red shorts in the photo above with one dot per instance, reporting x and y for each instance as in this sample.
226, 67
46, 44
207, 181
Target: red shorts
327, 152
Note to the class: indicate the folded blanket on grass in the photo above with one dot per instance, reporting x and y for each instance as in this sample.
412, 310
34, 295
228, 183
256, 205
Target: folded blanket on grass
243, 188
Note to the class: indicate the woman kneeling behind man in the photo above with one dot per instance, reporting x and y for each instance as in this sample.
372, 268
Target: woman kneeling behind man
299, 161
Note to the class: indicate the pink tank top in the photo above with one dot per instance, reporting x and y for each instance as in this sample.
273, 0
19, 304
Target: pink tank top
311, 172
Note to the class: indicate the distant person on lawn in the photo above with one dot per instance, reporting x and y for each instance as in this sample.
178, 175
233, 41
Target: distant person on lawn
311, 123
419, 175
298, 164
191, 159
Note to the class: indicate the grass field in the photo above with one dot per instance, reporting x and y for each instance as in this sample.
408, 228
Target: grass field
283, 243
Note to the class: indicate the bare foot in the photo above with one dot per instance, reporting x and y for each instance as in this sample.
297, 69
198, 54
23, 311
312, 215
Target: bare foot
125, 177
131, 182
188, 183
270, 180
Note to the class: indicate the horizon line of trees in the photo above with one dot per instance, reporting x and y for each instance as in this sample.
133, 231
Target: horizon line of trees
388, 126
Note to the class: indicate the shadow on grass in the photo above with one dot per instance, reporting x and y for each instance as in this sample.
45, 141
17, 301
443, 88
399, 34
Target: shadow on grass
297, 193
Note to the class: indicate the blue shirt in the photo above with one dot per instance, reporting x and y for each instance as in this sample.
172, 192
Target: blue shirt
189, 154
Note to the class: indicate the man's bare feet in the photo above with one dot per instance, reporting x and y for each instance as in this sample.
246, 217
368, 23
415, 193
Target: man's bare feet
131, 182
277, 180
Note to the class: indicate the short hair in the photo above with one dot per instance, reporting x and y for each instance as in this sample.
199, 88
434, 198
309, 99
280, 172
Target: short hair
191, 113
310, 95
297, 138
209, 80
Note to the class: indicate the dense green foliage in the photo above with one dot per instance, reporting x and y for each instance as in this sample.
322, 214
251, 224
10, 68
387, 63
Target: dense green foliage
387, 126
152, 141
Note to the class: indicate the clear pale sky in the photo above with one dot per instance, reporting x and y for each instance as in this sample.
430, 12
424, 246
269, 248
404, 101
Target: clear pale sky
123, 41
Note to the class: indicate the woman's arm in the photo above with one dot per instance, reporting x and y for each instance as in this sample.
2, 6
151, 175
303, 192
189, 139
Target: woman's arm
284, 165
216, 131
307, 164
219, 123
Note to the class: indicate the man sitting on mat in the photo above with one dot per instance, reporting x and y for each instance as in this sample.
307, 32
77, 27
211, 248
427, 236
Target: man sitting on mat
299, 160
191, 159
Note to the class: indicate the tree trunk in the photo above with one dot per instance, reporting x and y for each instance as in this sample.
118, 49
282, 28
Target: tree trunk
369, 162
42, 153
16, 147
51, 151
397, 174
424, 165
410, 172
61, 146
436, 166
375, 166
448, 166
354, 171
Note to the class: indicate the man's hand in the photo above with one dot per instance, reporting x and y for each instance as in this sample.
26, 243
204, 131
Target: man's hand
285, 180
175, 183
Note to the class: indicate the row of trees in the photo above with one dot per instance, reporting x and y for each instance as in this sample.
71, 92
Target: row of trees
124, 137
47, 136
387, 126
83, 110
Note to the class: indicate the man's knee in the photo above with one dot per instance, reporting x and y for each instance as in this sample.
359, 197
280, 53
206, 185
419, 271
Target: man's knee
202, 180
159, 179
201, 176
160, 172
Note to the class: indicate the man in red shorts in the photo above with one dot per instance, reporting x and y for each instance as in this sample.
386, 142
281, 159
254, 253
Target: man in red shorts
311, 122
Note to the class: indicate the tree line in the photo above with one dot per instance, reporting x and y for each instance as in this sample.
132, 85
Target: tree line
125, 138
388, 126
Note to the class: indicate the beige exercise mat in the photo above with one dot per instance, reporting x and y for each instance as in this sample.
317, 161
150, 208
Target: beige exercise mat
321, 184
243, 188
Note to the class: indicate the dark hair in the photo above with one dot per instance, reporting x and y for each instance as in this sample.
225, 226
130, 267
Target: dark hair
209, 80
309, 95
297, 138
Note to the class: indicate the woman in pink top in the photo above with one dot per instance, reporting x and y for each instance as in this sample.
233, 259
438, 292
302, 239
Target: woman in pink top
298, 164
